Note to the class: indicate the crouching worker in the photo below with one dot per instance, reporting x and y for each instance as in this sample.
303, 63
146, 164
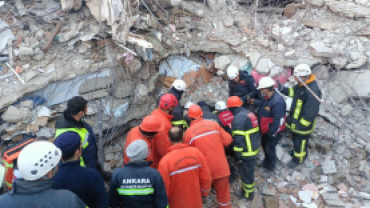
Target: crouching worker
137, 185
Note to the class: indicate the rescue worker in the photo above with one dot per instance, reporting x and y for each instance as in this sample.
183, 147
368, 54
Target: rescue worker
242, 84
185, 173
177, 89
167, 104
225, 116
210, 139
247, 141
86, 183
137, 185
207, 114
303, 111
73, 119
149, 131
271, 117
37, 163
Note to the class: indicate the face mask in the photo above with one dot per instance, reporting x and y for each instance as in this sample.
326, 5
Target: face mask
83, 117
263, 94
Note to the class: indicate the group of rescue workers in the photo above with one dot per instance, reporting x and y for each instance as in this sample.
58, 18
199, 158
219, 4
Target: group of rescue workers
176, 154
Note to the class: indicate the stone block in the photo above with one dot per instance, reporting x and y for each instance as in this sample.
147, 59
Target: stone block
257, 201
328, 167
95, 84
320, 49
332, 200
271, 202
269, 192
14, 115
222, 62
289, 10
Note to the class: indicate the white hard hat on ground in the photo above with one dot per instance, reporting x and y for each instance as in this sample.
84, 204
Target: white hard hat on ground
37, 159
179, 85
220, 105
188, 104
302, 70
266, 82
232, 72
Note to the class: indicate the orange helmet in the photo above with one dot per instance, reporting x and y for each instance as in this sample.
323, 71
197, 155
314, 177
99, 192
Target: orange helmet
167, 101
195, 111
151, 124
234, 101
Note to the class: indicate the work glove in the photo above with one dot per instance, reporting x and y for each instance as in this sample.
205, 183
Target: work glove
280, 86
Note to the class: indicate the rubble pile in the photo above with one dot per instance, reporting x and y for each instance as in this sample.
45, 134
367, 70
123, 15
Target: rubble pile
117, 58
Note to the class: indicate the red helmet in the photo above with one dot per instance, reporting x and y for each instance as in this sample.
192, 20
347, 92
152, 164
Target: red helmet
234, 101
195, 111
151, 124
167, 101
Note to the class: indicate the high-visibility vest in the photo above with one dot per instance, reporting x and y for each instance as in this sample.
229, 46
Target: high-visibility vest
247, 134
179, 123
84, 135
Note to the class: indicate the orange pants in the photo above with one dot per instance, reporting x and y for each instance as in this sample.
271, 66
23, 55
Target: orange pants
222, 187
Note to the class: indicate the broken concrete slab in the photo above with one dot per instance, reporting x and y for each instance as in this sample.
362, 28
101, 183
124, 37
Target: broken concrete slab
320, 49
328, 167
358, 80
325, 25
222, 62
94, 84
14, 115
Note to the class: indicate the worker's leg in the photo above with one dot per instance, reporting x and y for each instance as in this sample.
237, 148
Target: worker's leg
300, 147
270, 151
222, 187
264, 141
247, 168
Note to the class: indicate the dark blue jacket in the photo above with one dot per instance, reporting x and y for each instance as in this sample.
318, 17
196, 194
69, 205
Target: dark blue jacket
89, 154
37, 194
137, 186
246, 86
271, 114
87, 183
179, 110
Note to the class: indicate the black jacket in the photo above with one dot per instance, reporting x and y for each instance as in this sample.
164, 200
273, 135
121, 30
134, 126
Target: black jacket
179, 110
271, 114
305, 107
89, 154
37, 194
136, 186
87, 183
246, 86
244, 120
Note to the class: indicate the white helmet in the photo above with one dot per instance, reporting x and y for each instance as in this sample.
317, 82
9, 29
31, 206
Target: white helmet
37, 159
266, 82
179, 85
220, 105
232, 72
302, 70
188, 104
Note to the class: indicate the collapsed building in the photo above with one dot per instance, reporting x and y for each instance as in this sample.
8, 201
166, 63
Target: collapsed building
120, 54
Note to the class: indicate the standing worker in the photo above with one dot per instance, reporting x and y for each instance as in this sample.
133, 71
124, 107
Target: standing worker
210, 139
185, 173
242, 84
247, 142
73, 119
167, 104
303, 111
137, 185
177, 89
148, 131
271, 117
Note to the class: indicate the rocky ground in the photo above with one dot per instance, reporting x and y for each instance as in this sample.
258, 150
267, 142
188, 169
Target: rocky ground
118, 53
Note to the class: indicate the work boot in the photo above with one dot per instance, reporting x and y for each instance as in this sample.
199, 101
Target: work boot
262, 164
240, 195
267, 174
292, 164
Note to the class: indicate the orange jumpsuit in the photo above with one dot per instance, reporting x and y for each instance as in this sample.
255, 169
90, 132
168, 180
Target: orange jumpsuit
186, 176
162, 143
210, 138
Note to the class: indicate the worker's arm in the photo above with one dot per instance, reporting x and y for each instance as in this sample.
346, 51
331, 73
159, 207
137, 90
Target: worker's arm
231, 89
125, 158
204, 176
308, 112
165, 173
100, 196
226, 137
252, 86
278, 113
160, 194
114, 200
162, 143
288, 91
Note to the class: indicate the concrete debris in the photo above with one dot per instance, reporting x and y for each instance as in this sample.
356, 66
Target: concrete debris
14, 115
222, 62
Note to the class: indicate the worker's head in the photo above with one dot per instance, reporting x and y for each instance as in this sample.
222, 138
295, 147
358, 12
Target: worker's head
77, 107
220, 106
303, 71
234, 102
168, 102
266, 86
180, 86
137, 150
39, 160
195, 112
70, 144
233, 73
175, 134
187, 106
150, 126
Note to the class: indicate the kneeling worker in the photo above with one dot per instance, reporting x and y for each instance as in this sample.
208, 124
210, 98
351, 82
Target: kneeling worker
247, 142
